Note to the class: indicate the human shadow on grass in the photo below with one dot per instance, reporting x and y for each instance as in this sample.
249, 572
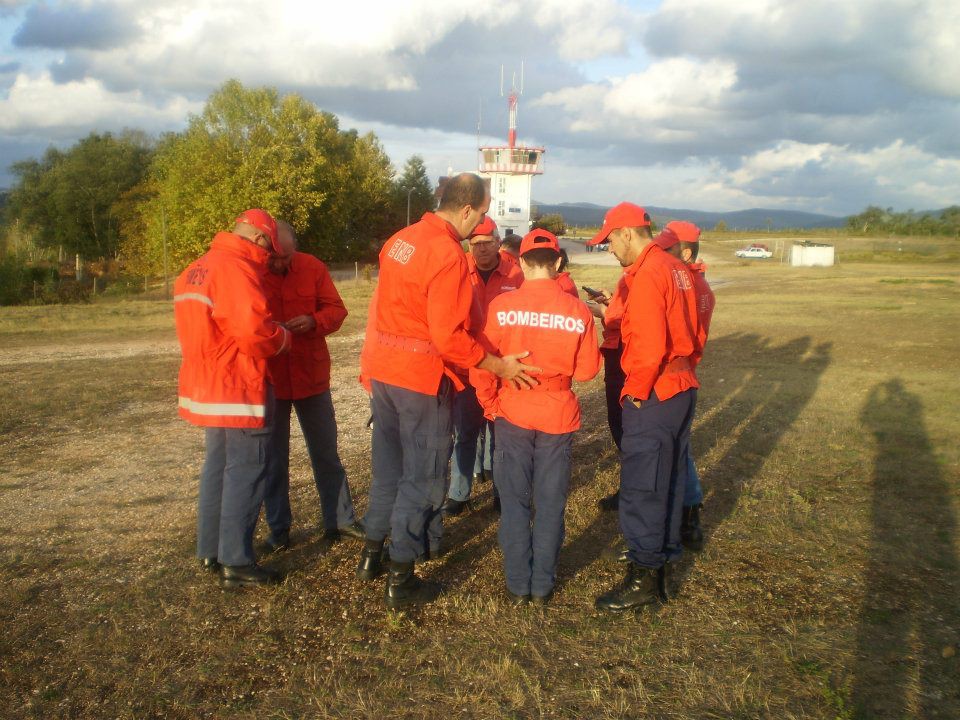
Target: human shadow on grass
754, 391
911, 611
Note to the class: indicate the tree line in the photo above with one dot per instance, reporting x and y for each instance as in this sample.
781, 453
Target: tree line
128, 196
875, 220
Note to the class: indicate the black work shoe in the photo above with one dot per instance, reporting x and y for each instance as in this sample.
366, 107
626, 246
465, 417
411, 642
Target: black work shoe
518, 600
434, 553
663, 581
275, 543
496, 504
690, 533
480, 477
640, 587
354, 530
452, 507
237, 576
405, 588
371, 562
329, 538
610, 503
210, 564
541, 600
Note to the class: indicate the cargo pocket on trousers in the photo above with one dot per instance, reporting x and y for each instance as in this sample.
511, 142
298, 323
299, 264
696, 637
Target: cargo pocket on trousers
640, 464
433, 452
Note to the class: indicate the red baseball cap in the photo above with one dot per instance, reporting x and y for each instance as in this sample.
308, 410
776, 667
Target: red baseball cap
262, 221
487, 227
666, 239
623, 215
539, 238
686, 231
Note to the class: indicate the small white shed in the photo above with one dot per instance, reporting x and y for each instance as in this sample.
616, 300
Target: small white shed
811, 255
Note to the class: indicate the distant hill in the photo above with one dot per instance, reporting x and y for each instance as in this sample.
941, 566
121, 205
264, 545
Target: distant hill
588, 214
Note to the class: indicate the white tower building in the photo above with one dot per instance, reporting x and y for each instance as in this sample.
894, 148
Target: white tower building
510, 169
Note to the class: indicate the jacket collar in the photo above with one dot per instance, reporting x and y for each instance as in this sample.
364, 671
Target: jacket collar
439, 223
236, 245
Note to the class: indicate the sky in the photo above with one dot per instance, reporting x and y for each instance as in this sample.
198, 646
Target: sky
701, 104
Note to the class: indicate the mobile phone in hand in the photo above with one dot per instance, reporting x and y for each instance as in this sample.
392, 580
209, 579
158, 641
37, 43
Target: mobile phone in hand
591, 291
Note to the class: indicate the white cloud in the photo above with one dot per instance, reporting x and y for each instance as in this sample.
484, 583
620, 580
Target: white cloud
36, 104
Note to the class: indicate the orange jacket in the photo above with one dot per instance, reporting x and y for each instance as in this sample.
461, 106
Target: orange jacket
660, 327
423, 306
567, 285
226, 335
506, 276
706, 300
558, 332
306, 289
613, 314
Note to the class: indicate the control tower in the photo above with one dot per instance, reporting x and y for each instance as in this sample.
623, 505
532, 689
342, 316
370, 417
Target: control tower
510, 169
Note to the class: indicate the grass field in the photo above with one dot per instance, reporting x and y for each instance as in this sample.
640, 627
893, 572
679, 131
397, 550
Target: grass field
826, 438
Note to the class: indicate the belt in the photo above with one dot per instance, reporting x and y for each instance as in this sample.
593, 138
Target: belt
409, 344
677, 365
554, 382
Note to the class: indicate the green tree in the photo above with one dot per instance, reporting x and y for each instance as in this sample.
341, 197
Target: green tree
414, 184
253, 148
553, 223
67, 199
720, 227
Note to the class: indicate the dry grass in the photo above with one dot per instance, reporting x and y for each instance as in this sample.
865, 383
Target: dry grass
826, 439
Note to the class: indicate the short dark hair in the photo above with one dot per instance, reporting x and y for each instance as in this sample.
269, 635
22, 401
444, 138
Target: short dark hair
511, 242
564, 259
693, 247
461, 190
541, 257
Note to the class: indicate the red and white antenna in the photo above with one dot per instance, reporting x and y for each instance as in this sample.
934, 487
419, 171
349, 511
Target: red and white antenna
512, 99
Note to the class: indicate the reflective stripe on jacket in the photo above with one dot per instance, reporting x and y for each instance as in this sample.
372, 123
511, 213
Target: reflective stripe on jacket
422, 294
226, 335
306, 289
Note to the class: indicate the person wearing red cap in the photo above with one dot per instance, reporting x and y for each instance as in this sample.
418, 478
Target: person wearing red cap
661, 345
688, 250
613, 305
226, 336
490, 276
535, 426
302, 295
418, 340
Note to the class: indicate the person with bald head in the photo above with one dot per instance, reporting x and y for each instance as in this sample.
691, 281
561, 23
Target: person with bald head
418, 340
226, 335
303, 297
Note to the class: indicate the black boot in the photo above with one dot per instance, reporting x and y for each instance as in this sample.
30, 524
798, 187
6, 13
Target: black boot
405, 588
663, 581
640, 587
610, 503
371, 560
237, 576
690, 533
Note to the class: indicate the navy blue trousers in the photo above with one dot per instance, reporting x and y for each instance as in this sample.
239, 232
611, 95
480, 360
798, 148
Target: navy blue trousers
319, 425
532, 471
467, 423
231, 490
613, 379
411, 446
653, 475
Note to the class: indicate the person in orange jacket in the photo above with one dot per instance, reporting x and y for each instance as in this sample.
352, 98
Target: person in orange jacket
226, 336
302, 295
418, 340
564, 280
688, 250
535, 426
491, 276
609, 307
661, 339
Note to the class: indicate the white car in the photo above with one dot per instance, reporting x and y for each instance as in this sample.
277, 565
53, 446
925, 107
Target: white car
754, 252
